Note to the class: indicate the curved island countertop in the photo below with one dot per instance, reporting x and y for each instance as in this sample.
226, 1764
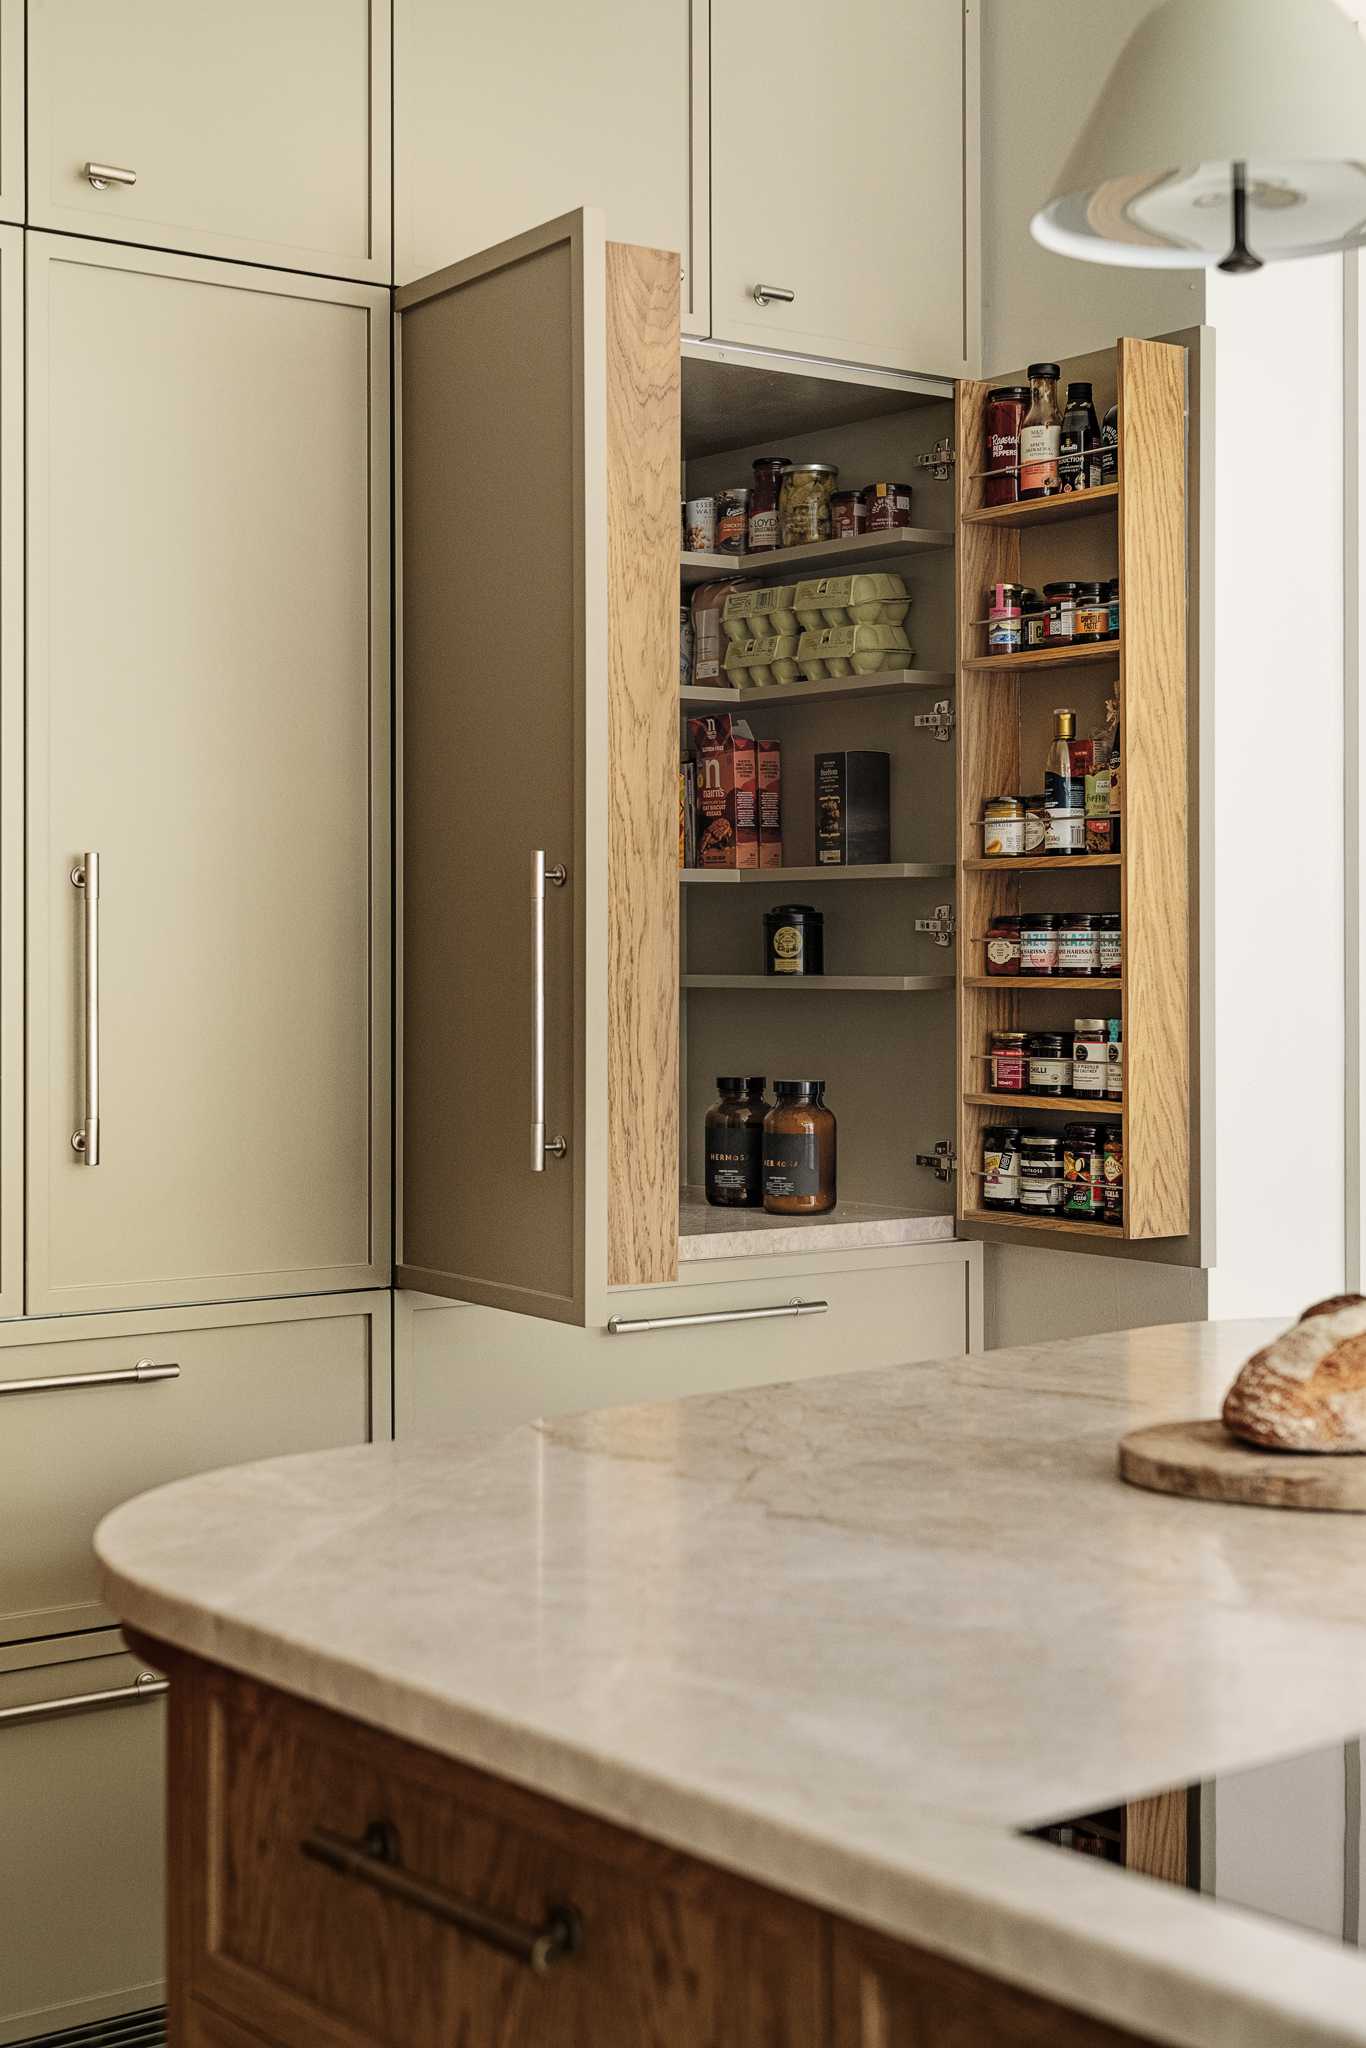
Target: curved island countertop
845, 1637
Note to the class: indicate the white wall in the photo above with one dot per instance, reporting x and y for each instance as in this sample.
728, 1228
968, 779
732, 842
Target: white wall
1034, 303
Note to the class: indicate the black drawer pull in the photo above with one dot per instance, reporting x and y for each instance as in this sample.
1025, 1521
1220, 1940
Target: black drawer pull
375, 1859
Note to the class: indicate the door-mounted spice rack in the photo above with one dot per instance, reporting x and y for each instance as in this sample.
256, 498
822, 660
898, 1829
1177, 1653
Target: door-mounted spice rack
1135, 530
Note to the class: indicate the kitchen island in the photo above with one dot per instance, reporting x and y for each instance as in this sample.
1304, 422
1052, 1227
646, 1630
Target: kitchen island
754, 1693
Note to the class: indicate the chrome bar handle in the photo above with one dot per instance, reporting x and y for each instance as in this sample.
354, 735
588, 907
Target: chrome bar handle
540, 875
138, 1375
773, 294
85, 1141
146, 1686
102, 176
376, 1860
627, 1326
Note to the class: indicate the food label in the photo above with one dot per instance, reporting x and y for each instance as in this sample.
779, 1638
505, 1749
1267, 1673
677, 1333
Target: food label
1008, 1070
787, 950
733, 1162
1050, 1073
1001, 1175
1039, 951
1065, 832
1039, 1190
1039, 447
1003, 836
1111, 954
791, 1163
1114, 1170
763, 531
1003, 953
1035, 831
1088, 1067
1077, 953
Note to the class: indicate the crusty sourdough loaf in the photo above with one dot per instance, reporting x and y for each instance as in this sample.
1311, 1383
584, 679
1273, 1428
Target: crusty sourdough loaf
1307, 1390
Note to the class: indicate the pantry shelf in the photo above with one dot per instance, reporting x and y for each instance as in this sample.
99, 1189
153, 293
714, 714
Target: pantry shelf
1016, 1219
1068, 1105
720, 696
893, 871
826, 557
827, 984
1042, 981
1057, 863
1048, 511
1043, 657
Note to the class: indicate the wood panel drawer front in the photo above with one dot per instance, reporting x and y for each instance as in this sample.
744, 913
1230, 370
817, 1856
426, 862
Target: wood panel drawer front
672, 1954
81, 1889
155, 1399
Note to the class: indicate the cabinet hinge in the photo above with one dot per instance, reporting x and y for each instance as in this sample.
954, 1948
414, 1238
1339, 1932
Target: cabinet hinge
939, 461
939, 721
943, 1161
943, 924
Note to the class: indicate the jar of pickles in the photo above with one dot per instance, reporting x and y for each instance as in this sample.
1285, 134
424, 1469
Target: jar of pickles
804, 503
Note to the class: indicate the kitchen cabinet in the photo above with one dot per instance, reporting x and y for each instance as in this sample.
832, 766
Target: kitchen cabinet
845, 207
607, 119
12, 110
539, 971
208, 745
259, 132
11, 757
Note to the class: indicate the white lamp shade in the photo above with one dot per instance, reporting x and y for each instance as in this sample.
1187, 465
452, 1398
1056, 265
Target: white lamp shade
1202, 86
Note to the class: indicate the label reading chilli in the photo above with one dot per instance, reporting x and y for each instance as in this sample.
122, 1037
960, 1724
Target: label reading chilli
791, 1164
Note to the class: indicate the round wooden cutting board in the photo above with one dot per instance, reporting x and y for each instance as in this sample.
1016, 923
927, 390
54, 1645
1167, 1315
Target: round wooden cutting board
1203, 1462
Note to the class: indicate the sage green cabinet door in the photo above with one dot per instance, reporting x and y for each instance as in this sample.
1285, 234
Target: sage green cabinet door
207, 711
842, 174
258, 131
82, 1872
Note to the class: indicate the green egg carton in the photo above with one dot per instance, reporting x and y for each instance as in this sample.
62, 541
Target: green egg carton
877, 598
769, 658
750, 614
851, 651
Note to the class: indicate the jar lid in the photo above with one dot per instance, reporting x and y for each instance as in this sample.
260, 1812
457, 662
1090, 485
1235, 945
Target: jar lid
730, 1084
1091, 1131
1108, 920
789, 1088
1077, 920
884, 490
1041, 1041
812, 469
1040, 1141
1040, 920
1010, 917
1077, 387
796, 910
1089, 1027
1029, 595
1037, 803
1061, 589
767, 462
846, 497
1092, 593
1006, 1132
1003, 806
1009, 1037
1004, 391
1053, 370
998, 591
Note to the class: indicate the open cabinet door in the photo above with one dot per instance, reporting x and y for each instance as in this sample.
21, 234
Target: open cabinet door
539, 452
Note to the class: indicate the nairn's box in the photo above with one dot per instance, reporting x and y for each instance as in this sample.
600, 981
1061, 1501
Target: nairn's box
687, 814
727, 792
853, 809
770, 763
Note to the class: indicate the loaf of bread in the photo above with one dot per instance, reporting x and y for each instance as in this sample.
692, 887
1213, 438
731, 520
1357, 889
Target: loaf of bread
1307, 1390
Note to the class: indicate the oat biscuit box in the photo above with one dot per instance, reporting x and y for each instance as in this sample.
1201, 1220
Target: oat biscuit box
727, 792
770, 767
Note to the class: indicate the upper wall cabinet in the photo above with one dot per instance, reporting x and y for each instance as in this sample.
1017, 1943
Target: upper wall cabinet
12, 110
845, 192
518, 112
258, 131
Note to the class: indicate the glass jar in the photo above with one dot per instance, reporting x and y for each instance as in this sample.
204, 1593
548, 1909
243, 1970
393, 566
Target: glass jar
1003, 945
1112, 1196
1005, 618
1035, 621
1083, 1171
1091, 621
886, 506
1009, 1062
734, 1143
1038, 942
1112, 605
1089, 1057
1036, 826
804, 503
1041, 434
1061, 600
763, 504
1078, 943
1050, 1064
799, 1151
1110, 942
848, 515
1114, 1060
1040, 1172
1005, 411
1000, 1167
1003, 827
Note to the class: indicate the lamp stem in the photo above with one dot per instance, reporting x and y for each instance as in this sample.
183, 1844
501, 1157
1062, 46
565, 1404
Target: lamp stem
1240, 258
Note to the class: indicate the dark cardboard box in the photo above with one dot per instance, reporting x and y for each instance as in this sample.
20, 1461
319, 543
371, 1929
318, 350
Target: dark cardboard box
853, 809
770, 766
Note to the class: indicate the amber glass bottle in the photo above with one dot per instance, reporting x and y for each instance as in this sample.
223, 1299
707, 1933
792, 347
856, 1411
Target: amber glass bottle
734, 1143
799, 1151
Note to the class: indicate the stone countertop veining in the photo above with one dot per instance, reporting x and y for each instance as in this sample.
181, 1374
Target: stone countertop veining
707, 1233
846, 1637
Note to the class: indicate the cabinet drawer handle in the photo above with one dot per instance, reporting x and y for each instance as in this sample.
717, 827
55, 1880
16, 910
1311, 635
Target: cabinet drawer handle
626, 1326
85, 1140
146, 1686
127, 1376
773, 294
541, 1147
102, 176
376, 1860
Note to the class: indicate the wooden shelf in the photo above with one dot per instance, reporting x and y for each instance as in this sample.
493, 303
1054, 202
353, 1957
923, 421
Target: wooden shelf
720, 696
1068, 1105
828, 984
1043, 657
894, 871
1020, 1219
1038, 981
1059, 863
1048, 511
824, 557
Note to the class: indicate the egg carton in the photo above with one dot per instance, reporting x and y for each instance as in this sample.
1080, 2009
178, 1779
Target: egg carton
852, 651
750, 614
769, 658
877, 598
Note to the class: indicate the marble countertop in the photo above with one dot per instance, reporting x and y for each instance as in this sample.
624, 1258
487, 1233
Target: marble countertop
846, 1637
707, 1233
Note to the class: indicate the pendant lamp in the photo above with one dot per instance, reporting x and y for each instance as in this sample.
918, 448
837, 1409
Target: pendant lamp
1230, 132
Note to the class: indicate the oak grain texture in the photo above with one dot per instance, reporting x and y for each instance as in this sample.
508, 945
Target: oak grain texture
1203, 1461
1153, 713
1156, 1836
643, 440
